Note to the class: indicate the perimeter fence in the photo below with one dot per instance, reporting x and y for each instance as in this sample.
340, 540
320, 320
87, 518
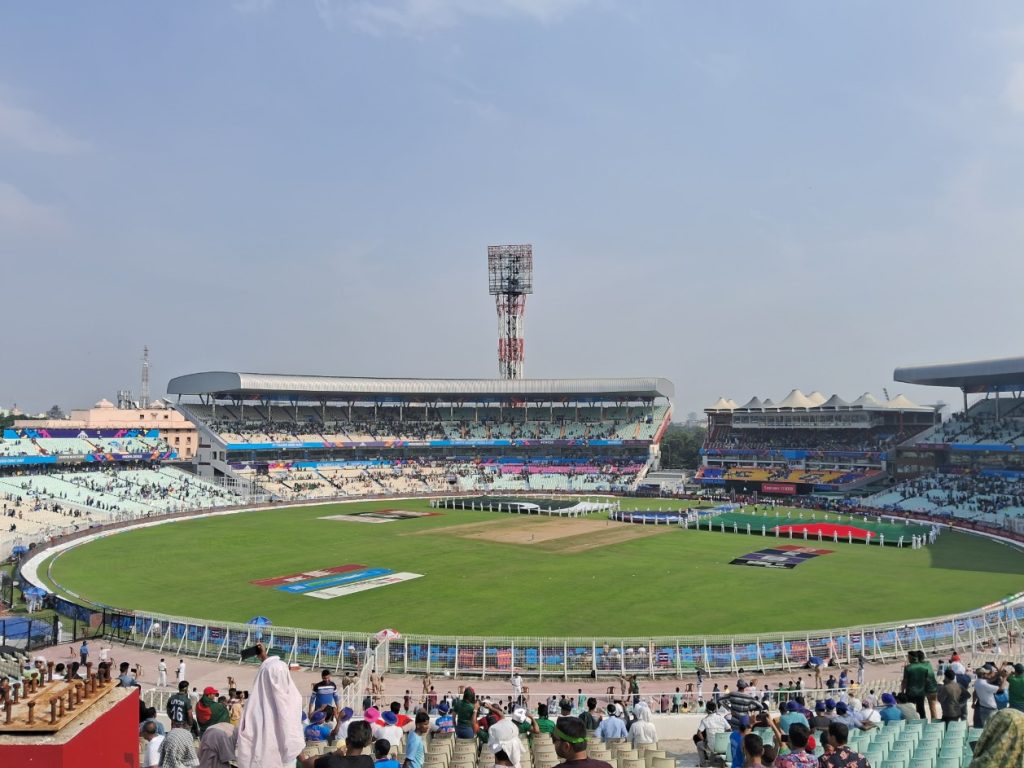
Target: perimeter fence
567, 657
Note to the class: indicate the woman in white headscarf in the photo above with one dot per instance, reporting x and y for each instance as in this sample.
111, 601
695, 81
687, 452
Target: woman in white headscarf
270, 734
642, 731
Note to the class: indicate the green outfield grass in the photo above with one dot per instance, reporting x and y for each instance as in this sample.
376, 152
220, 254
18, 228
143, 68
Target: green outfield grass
669, 582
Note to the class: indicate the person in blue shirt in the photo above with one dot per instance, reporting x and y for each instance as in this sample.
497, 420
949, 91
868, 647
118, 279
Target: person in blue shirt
736, 742
317, 730
382, 754
611, 727
445, 723
414, 747
325, 693
793, 714
890, 712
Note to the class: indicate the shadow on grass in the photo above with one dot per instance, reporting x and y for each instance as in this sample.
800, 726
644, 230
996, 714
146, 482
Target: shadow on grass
962, 552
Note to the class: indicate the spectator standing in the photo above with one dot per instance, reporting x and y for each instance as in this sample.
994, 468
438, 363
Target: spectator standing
952, 697
270, 735
179, 707
590, 718
414, 745
1015, 685
464, 710
642, 731
612, 727
740, 704
83, 652
161, 676
153, 739
987, 683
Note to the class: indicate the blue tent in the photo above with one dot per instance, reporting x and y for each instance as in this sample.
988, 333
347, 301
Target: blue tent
19, 549
35, 592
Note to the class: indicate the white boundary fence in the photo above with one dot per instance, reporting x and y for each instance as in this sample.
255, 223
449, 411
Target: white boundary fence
562, 658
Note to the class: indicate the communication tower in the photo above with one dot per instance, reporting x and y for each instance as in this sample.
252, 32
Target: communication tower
510, 279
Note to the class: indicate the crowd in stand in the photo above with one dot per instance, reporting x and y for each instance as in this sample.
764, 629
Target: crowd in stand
967, 491
844, 440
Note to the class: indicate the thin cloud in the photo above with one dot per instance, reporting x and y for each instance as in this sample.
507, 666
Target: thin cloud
419, 16
22, 128
1013, 95
19, 214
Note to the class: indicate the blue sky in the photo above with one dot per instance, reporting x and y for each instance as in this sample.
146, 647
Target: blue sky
744, 197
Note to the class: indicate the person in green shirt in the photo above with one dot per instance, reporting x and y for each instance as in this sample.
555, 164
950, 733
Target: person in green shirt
544, 723
918, 681
465, 712
1015, 683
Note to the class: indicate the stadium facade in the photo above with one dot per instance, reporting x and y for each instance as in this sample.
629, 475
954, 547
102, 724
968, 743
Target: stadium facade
325, 436
806, 443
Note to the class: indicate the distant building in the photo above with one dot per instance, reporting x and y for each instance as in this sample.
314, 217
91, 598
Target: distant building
178, 432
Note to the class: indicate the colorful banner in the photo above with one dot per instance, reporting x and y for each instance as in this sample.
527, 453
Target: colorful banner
787, 556
307, 575
786, 488
362, 586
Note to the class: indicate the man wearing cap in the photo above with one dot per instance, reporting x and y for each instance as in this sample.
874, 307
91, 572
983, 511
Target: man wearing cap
987, 684
819, 720
209, 711
524, 721
570, 740
844, 716
445, 723
740, 703
889, 711
317, 730
612, 727
390, 730
792, 715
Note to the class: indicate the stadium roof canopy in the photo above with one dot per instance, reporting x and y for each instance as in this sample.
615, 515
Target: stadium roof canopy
224, 384
1006, 373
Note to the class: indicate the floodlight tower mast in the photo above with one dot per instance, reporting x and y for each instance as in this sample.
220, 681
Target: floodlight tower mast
144, 400
510, 280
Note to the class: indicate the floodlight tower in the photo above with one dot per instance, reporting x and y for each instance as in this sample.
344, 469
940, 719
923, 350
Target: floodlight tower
144, 402
510, 273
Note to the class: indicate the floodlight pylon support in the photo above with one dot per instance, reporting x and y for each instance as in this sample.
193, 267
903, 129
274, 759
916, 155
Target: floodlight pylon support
510, 280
